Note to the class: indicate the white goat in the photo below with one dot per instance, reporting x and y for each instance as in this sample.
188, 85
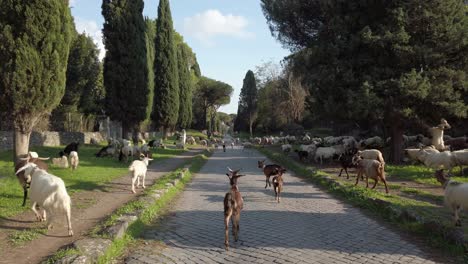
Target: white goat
437, 133
286, 148
49, 192
61, 162
74, 160
456, 195
414, 153
437, 161
461, 158
324, 153
139, 168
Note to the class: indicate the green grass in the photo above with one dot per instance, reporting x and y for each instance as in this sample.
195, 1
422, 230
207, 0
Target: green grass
18, 238
92, 174
398, 208
148, 215
61, 254
418, 174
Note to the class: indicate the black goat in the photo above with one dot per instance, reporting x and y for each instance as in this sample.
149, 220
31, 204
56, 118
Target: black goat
303, 155
69, 148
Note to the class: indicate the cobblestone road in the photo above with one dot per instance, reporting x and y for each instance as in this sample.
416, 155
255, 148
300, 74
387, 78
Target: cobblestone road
308, 226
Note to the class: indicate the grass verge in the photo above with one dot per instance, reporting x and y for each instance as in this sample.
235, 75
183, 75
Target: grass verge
416, 217
92, 174
150, 212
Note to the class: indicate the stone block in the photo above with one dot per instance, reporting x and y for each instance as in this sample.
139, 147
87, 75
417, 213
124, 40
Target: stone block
92, 248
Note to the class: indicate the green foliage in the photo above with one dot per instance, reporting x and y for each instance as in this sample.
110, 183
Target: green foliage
186, 87
34, 46
83, 91
20, 237
166, 95
125, 64
208, 97
373, 61
151, 53
247, 109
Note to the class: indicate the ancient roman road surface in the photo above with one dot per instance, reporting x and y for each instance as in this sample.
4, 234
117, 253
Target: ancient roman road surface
308, 226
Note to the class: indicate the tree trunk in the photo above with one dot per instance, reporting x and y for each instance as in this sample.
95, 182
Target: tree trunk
250, 125
135, 132
125, 130
397, 139
21, 144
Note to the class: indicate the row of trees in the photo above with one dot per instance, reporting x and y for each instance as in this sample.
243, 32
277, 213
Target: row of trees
394, 63
149, 75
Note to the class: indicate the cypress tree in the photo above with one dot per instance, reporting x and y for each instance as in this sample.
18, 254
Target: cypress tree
83, 74
125, 64
150, 35
34, 46
166, 90
248, 99
185, 84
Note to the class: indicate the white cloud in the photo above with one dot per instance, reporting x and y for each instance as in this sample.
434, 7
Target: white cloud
212, 23
94, 31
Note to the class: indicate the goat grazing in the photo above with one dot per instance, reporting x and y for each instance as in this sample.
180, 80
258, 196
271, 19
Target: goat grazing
34, 158
61, 162
233, 204
74, 160
70, 147
372, 169
268, 170
139, 168
456, 195
278, 183
47, 191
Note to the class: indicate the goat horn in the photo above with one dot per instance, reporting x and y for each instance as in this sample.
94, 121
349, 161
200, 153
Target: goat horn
44, 158
229, 169
23, 168
27, 159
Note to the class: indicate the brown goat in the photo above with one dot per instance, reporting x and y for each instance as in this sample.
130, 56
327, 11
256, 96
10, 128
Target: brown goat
268, 170
373, 169
34, 158
233, 204
278, 183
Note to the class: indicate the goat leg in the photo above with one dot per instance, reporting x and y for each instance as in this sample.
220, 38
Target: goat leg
339, 175
226, 230
25, 195
375, 182
347, 175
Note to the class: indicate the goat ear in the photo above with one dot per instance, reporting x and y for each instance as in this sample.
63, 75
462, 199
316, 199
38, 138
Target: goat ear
229, 176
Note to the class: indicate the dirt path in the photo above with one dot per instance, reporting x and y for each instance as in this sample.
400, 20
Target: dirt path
88, 208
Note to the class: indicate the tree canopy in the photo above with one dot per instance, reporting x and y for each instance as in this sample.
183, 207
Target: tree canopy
125, 63
368, 61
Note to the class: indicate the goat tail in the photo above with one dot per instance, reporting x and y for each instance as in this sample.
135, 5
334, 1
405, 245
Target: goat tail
131, 167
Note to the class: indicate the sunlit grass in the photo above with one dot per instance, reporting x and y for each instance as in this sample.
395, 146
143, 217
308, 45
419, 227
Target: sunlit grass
92, 174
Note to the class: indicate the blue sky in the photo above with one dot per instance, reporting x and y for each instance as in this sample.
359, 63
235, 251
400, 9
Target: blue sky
229, 36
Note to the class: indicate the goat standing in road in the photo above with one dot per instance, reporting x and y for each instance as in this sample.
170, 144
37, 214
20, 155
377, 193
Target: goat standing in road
233, 204
268, 170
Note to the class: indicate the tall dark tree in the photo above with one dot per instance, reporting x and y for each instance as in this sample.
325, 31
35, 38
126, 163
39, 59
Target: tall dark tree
34, 46
151, 52
248, 100
82, 89
125, 64
186, 89
166, 99
390, 61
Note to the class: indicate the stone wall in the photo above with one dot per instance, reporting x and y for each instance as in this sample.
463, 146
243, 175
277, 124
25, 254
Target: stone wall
50, 138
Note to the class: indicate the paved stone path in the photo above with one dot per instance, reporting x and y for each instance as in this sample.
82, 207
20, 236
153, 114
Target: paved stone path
308, 226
